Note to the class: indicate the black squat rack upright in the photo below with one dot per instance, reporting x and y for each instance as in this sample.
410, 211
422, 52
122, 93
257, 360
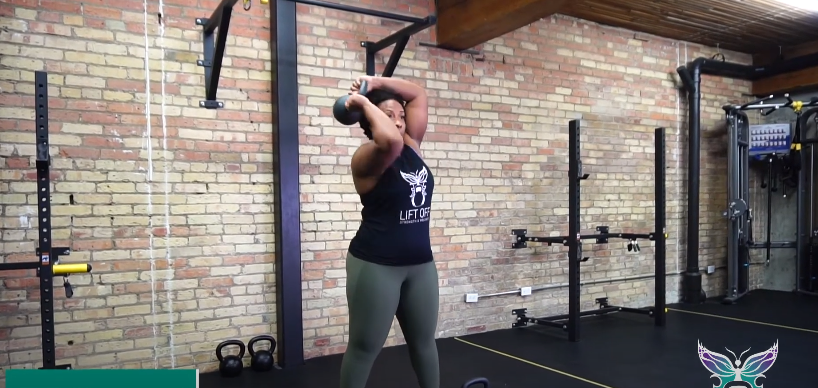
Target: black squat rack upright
574, 242
48, 257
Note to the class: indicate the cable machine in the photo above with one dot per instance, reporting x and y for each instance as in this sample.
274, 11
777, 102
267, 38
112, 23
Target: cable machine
783, 148
48, 257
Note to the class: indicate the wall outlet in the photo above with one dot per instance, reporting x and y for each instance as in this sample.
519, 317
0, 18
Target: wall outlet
471, 298
711, 269
525, 291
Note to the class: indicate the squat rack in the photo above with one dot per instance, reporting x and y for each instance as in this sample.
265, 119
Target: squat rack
575, 258
47, 265
284, 90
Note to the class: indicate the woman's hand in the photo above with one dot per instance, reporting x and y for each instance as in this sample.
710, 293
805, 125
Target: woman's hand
371, 83
356, 101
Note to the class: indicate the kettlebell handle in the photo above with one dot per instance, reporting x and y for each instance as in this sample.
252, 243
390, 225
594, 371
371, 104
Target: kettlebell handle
364, 88
476, 381
228, 343
261, 338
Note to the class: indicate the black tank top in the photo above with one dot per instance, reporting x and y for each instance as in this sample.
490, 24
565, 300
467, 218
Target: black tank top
395, 219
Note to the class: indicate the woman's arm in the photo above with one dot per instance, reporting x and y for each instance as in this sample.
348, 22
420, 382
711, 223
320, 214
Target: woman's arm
417, 105
372, 159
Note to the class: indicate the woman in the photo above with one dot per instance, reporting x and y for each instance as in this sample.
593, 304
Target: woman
390, 267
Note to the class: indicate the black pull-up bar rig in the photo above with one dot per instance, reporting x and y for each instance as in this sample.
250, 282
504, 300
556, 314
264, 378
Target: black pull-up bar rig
574, 243
47, 265
216, 27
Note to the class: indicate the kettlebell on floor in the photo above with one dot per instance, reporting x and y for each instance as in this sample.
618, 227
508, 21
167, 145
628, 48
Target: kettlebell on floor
261, 360
230, 365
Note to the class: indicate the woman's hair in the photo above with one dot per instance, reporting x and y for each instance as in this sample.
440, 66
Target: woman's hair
376, 97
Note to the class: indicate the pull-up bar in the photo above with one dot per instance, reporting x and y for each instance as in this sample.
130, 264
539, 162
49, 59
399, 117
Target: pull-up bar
220, 20
361, 11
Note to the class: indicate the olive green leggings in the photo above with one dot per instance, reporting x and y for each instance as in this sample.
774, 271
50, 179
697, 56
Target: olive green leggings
376, 294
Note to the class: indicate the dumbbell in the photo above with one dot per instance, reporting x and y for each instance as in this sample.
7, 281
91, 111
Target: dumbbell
342, 114
476, 381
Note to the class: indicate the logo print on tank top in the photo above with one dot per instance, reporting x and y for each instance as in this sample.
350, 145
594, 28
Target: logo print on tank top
417, 184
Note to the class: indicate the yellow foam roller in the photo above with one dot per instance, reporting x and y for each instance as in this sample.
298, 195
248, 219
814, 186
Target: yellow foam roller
65, 269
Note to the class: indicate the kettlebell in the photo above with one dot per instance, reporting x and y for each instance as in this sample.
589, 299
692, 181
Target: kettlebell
342, 114
230, 365
476, 381
261, 360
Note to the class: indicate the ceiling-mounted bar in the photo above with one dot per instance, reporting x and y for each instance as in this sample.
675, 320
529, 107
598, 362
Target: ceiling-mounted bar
433, 45
362, 11
400, 38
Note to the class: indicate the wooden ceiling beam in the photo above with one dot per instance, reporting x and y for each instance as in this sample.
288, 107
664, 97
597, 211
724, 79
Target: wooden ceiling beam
793, 82
463, 24
789, 82
786, 53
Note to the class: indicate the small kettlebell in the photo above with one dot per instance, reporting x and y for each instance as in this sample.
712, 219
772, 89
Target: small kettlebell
230, 365
261, 360
476, 381
342, 114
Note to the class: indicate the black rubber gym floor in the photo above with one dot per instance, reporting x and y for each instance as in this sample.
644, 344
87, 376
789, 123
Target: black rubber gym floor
616, 351
773, 307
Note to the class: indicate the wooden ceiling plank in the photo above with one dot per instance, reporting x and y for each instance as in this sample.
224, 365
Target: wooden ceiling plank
765, 58
796, 81
463, 25
740, 26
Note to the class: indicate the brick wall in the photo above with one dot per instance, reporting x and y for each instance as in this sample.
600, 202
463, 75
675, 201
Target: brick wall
172, 203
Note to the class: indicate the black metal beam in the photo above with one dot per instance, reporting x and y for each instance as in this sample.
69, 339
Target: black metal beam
719, 68
774, 244
626, 236
362, 11
400, 39
574, 243
587, 313
287, 202
405, 32
659, 231
432, 45
692, 278
392, 64
18, 266
216, 17
790, 65
43, 163
213, 50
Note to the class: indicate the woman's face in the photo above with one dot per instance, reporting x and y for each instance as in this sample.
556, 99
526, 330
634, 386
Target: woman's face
394, 110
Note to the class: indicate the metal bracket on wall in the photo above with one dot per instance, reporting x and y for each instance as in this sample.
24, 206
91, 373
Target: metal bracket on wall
214, 50
400, 39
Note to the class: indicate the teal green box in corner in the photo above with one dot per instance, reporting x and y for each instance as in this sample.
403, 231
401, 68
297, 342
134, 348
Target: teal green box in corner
102, 378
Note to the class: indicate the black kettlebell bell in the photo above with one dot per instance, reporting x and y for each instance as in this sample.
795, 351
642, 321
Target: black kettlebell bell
230, 365
261, 360
476, 381
342, 114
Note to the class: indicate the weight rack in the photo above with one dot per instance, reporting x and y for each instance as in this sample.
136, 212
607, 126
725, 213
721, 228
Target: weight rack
575, 176
47, 265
